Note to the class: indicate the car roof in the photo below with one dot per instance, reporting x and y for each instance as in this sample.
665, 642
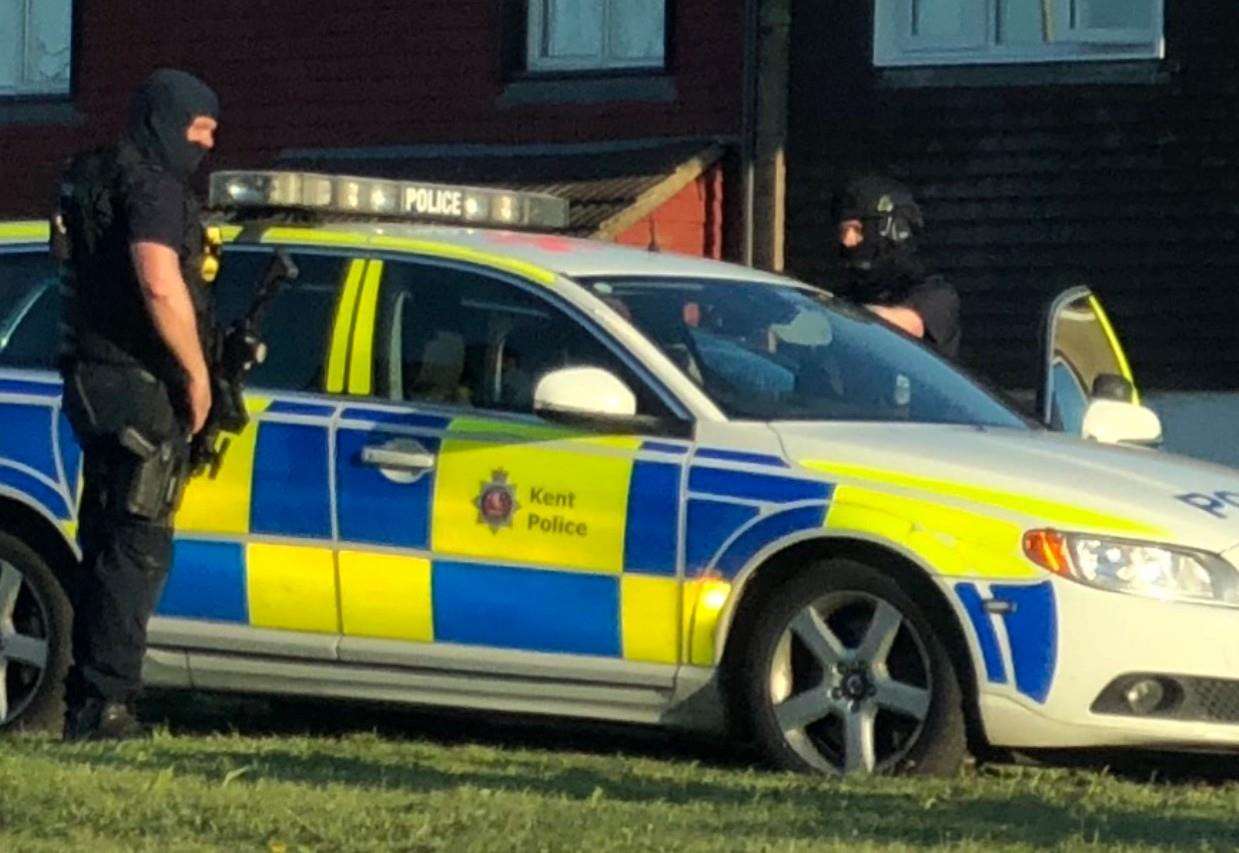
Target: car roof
518, 251
554, 253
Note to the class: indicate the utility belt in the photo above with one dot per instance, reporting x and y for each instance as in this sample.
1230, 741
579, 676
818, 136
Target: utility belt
129, 411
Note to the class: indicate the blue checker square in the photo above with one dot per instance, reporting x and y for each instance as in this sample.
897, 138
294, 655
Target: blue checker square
291, 493
207, 581
530, 609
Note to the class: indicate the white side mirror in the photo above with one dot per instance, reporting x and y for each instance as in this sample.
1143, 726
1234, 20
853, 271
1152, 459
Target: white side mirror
583, 391
1111, 422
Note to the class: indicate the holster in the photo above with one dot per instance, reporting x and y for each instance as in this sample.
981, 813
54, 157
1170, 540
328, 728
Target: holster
155, 479
129, 406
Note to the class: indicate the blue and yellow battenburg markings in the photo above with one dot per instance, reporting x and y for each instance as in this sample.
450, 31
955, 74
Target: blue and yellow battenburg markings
522, 536
525, 536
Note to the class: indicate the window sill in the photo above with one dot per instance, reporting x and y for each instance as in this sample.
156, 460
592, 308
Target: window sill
49, 112
589, 90
1134, 73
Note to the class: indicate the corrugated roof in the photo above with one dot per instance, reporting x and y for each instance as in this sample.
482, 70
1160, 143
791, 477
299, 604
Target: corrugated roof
605, 186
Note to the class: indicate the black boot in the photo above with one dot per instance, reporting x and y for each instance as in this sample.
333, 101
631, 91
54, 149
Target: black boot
98, 720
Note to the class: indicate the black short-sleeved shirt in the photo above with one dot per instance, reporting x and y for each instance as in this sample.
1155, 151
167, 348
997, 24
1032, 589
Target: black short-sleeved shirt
155, 208
938, 304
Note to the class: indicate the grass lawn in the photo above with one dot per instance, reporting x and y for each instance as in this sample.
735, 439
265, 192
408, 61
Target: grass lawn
242, 775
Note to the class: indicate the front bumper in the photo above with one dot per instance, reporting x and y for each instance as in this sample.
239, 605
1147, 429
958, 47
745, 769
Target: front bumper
1103, 636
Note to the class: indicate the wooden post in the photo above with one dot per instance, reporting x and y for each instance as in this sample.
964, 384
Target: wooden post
770, 146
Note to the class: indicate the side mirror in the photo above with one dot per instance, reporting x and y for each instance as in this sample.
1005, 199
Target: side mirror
1110, 386
1112, 422
583, 391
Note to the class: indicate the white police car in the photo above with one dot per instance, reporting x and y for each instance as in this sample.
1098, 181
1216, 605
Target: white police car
512, 471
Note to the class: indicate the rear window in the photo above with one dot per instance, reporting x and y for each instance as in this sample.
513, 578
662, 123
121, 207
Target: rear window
29, 309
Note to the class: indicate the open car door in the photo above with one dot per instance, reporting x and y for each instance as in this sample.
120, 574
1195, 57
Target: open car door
1087, 387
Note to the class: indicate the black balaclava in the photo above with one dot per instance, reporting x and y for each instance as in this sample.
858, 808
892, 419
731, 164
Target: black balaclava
885, 263
163, 108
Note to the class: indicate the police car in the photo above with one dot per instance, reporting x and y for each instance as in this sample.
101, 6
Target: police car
505, 470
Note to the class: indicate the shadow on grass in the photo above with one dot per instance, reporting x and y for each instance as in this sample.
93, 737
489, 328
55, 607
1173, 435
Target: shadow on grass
203, 714
811, 810
815, 809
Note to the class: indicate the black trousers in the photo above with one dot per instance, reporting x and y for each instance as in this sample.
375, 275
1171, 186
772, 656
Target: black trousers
125, 560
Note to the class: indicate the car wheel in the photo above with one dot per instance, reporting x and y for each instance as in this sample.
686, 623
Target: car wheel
34, 640
843, 674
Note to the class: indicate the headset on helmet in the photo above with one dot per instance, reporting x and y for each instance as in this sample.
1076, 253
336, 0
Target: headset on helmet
885, 208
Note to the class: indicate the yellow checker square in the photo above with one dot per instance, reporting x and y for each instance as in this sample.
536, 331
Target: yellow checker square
650, 608
386, 596
562, 503
220, 502
291, 587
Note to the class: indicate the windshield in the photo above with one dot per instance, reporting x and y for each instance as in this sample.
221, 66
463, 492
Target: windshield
767, 352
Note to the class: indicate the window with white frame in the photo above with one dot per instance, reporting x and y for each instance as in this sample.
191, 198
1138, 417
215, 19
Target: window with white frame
592, 35
970, 32
36, 38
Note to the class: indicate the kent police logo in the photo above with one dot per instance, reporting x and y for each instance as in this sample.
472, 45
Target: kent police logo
496, 501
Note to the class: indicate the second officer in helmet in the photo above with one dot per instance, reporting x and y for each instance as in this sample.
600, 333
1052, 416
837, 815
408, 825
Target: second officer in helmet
878, 223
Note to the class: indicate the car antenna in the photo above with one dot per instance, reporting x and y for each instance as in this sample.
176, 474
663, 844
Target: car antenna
653, 245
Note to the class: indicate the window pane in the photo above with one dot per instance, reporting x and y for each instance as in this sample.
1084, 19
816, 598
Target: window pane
297, 324
573, 28
10, 42
29, 310
456, 338
1114, 14
51, 25
35, 342
1021, 22
637, 29
937, 18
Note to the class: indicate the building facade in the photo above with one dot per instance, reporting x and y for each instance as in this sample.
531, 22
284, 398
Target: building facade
375, 83
1082, 142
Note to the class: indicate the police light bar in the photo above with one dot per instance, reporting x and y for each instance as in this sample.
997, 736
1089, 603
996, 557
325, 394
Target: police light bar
387, 199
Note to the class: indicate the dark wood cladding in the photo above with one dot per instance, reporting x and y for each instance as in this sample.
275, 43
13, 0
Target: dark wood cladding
1132, 188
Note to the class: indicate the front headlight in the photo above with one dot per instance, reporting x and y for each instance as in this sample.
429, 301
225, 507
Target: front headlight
1138, 568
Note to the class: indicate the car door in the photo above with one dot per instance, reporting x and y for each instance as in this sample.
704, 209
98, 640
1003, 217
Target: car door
472, 532
254, 567
1083, 360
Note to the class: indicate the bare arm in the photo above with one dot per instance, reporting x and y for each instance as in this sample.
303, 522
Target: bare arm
172, 312
902, 316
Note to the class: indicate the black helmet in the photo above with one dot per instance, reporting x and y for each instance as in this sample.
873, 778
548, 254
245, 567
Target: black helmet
885, 262
884, 207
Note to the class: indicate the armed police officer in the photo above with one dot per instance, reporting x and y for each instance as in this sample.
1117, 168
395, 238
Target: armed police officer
878, 222
128, 229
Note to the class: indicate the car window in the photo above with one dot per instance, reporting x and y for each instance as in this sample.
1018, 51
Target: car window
769, 352
29, 310
297, 324
455, 337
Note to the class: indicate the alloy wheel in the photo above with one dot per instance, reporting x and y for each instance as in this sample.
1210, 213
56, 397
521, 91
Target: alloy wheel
851, 684
24, 644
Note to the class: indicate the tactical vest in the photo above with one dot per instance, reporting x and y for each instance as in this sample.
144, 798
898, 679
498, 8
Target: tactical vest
105, 315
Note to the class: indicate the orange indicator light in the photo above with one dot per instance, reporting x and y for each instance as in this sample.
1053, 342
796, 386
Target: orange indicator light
1048, 549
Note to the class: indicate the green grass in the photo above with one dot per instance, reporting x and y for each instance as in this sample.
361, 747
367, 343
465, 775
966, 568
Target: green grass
350, 779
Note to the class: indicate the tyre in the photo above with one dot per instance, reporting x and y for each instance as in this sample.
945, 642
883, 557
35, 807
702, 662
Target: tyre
34, 641
842, 673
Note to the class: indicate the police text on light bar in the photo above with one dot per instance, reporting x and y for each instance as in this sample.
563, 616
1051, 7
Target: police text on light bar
378, 197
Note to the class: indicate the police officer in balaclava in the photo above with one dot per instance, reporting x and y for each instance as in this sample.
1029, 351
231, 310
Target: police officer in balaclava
878, 222
136, 381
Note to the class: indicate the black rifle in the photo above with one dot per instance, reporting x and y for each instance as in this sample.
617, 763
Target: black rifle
232, 354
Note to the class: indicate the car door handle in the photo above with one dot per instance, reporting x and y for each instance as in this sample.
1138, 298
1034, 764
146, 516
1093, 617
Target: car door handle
397, 459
